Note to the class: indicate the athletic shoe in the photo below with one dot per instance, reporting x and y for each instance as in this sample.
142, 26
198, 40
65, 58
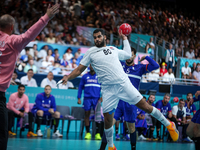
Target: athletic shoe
159, 139
142, 138
127, 137
39, 133
152, 139
117, 137
57, 134
187, 140
112, 148
97, 136
31, 134
173, 131
10, 133
88, 136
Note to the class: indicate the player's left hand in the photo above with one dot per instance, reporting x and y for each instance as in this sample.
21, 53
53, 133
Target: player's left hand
101, 99
142, 58
64, 79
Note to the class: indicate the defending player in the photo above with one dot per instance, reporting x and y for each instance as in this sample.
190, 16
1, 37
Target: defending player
92, 91
115, 83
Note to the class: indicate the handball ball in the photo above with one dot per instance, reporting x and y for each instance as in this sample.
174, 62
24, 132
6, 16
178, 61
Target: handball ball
176, 99
125, 28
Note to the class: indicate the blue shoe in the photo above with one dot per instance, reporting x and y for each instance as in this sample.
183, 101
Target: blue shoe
127, 137
186, 140
117, 137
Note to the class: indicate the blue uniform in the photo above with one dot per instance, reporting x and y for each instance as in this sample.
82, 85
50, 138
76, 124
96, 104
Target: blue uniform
164, 109
190, 110
134, 73
92, 91
44, 103
141, 122
196, 117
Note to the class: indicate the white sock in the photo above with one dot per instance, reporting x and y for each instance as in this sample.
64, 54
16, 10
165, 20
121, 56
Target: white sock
159, 116
109, 136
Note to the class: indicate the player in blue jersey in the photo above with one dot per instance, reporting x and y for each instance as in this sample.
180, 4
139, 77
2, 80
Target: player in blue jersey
189, 109
193, 130
92, 89
165, 108
45, 106
150, 101
129, 112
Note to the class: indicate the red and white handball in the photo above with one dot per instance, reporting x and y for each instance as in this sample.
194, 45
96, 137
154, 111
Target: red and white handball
176, 99
125, 28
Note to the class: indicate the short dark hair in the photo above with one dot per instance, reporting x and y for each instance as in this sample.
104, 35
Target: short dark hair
182, 100
21, 85
133, 50
30, 70
167, 94
99, 30
189, 93
55, 49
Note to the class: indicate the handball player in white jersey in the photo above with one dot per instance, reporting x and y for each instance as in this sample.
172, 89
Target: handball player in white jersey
115, 83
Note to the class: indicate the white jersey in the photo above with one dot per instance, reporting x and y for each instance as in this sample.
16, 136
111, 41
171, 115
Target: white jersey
106, 64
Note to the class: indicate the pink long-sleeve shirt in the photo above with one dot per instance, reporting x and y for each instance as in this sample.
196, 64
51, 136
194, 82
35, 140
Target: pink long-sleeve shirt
11, 46
15, 103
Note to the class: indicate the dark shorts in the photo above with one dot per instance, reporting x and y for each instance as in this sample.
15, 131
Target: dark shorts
128, 111
46, 115
88, 103
196, 117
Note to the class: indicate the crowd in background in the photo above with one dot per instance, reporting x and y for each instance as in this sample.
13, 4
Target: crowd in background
166, 22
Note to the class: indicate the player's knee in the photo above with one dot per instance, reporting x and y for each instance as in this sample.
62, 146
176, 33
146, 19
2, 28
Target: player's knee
87, 114
131, 127
57, 114
40, 113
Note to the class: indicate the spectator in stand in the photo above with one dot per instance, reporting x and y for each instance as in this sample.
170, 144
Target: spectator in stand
51, 39
163, 69
49, 57
49, 81
30, 65
89, 7
194, 65
55, 52
190, 54
165, 108
56, 58
24, 57
19, 66
186, 71
107, 42
196, 54
28, 80
116, 44
154, 75
18, 106
169, 59
169, 76
63, 61
14, 80
69, 85
59, 39
196, 74
43, 53
69, 54
33, 49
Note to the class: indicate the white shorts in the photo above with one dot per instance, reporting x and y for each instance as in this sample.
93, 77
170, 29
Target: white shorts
112, 93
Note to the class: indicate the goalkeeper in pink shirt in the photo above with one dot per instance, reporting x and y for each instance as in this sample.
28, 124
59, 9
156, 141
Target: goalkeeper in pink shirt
18, 106
10, 48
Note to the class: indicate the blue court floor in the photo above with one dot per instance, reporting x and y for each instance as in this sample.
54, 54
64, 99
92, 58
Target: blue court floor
80, 144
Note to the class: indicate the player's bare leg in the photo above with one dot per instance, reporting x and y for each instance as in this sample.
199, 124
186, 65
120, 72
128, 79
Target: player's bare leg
142, 104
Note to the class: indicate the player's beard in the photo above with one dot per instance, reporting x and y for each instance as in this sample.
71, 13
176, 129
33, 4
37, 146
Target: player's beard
129, 62
101, 44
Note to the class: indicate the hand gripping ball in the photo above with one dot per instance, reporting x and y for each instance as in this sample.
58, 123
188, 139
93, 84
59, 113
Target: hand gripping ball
125, 28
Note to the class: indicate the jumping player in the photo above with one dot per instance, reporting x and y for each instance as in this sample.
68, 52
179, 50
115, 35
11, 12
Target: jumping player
115, 83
